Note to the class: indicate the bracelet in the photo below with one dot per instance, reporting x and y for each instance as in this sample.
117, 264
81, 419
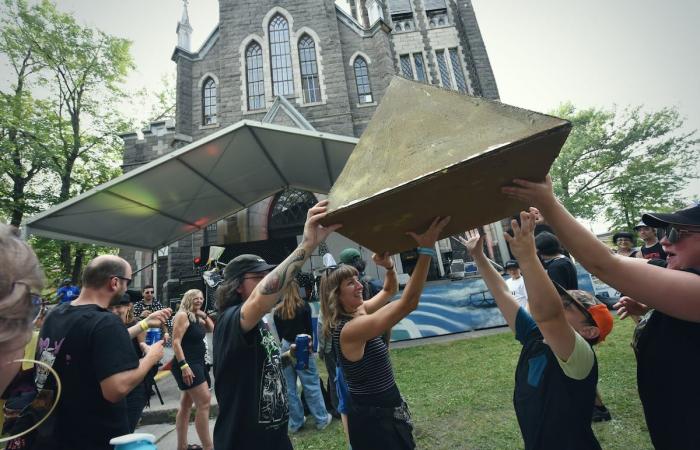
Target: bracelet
144, 325
426, 251
183, 367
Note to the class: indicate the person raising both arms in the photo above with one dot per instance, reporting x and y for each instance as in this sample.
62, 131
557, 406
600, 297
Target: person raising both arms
666, 344
378, 417
557, 372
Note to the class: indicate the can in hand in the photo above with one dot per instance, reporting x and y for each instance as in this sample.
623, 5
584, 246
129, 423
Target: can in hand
152, 336
302, 351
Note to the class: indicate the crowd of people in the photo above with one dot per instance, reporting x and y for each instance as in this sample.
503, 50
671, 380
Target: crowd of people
95, 342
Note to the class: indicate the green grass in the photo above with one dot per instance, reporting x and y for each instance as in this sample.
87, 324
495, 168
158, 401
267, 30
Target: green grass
460, 394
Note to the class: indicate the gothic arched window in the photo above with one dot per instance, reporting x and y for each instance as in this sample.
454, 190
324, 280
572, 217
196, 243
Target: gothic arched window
255, 76
280, 57
309, 70
209, 102
288, 213
364, 90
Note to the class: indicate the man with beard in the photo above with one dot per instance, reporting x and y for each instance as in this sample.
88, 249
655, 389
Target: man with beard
91, 351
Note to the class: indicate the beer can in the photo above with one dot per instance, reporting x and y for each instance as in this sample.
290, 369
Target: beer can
302, 351
152, 336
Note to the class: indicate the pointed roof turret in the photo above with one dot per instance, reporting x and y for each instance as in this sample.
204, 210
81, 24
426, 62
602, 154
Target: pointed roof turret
184, 29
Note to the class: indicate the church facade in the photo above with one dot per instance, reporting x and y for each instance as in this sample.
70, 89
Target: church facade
313, 64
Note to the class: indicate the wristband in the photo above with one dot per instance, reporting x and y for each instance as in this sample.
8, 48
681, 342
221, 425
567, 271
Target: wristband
183, 367
144, 325
426, 251
182, 363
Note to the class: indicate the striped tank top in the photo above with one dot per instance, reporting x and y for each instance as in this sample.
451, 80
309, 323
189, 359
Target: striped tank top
371, 379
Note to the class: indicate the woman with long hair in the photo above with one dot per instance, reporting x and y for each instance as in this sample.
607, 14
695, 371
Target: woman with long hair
21, 280
378, 417
189, 368
292, 317
668, 336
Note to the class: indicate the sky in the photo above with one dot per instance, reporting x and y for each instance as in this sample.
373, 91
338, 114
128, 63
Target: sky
594, 53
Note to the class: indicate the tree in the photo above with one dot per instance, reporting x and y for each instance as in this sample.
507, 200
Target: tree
81, 70
616, 165
25, 140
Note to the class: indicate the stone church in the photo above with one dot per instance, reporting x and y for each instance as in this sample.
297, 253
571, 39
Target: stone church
313, 64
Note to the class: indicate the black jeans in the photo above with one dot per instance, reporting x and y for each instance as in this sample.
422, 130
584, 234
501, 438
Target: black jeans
377, 428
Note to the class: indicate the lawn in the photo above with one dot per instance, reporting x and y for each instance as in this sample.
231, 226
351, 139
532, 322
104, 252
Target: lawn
460, 394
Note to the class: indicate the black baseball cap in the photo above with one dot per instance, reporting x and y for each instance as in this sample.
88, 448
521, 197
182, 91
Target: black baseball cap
124, 301
622, 234
512, 264
689, 216
242, 264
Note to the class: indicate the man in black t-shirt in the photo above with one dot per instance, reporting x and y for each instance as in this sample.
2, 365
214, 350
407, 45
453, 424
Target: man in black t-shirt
91, 351
250, 388
651, 249
559, 268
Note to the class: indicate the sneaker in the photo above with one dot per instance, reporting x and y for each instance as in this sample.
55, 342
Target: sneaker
296, 430
600, 414
322, 426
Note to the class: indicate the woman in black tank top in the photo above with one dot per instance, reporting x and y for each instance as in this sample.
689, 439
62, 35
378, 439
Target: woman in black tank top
189, 370
377, 417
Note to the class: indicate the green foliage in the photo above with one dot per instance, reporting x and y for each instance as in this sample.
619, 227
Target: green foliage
461, 395
59, 123
616, 165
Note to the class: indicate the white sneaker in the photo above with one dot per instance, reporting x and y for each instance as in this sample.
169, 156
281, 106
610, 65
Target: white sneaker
324, 425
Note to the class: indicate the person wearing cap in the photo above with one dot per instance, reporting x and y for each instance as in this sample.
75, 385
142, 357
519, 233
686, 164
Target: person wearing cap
667, 342
516, 282
651, 249
557, 372
67, 292
559, 267
251, 391
624, 241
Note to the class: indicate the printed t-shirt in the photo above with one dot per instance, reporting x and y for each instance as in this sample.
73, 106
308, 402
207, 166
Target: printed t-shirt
85, 344
250, 388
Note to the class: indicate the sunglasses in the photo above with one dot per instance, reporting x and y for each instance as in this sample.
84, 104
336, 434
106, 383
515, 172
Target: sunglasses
128, 280
674, 234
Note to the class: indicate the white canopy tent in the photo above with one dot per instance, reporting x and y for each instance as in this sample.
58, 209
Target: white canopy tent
184, 191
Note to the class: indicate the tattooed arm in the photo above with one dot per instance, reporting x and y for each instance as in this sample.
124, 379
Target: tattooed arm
267, 292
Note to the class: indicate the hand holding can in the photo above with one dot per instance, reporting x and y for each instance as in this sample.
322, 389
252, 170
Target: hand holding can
302, 342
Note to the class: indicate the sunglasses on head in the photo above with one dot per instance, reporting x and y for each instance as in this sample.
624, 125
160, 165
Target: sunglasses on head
674, 234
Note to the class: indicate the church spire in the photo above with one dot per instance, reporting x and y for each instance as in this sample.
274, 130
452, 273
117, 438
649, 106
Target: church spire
184, 30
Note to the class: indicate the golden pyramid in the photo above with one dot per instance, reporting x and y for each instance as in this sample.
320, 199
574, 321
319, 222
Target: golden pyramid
433, 152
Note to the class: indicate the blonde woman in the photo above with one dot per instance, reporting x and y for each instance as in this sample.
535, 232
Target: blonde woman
190, 327
293, 317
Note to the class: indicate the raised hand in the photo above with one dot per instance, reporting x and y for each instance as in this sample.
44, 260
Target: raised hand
384, 260
158, 318
522, 243
533, 193
627, 306
314, 232
430, 236
472, 241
